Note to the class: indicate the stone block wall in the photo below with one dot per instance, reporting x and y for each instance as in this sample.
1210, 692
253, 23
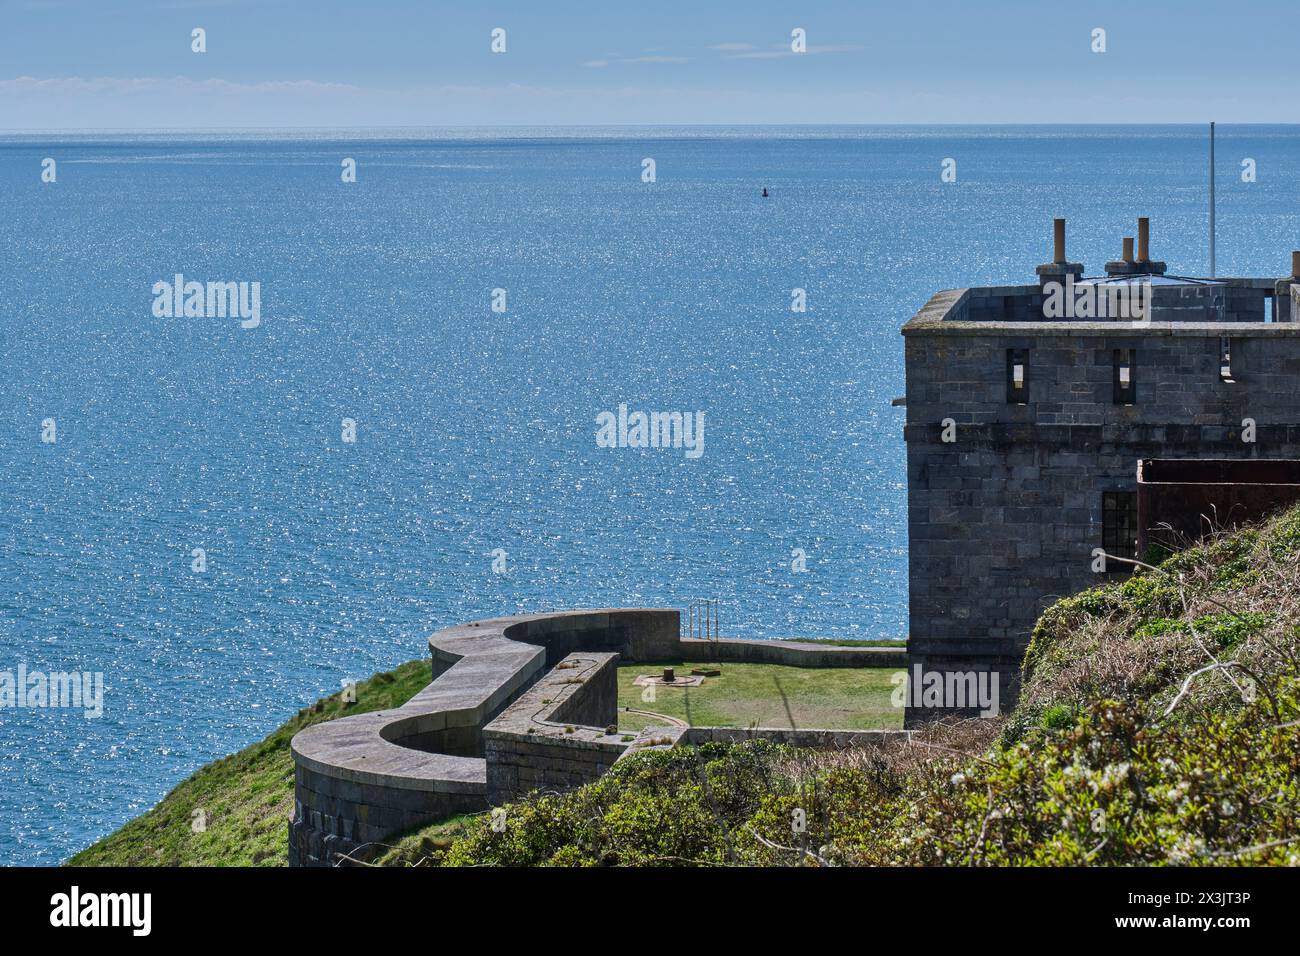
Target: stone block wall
553, 737
1232, 300
788, 653
495, 723
1003, 520
336, 820
634, 633
362, 778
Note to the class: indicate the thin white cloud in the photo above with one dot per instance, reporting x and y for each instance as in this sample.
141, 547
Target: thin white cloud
615, 58
783, 52
732, 47
151, 84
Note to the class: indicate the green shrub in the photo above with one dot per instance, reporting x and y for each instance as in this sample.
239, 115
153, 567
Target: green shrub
1112, 787
1058, 717
1224, 629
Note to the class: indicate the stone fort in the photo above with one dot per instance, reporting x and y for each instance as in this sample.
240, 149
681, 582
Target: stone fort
1047, 447
1043, 452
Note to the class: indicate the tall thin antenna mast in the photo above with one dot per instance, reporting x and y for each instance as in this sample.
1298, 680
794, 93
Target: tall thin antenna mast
1212, 274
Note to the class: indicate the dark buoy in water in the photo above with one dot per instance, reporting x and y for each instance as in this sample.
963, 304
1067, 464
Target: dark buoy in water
764, 192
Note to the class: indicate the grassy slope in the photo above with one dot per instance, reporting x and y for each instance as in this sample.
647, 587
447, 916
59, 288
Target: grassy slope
744, 695
248, 796
1159, 724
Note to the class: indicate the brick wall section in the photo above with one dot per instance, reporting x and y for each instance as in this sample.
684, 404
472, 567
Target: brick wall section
1003, 521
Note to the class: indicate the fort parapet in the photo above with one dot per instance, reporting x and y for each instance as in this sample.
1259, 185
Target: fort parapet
515, 704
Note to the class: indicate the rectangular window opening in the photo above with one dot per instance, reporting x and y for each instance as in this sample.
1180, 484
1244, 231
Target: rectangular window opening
1119, 528
1225, 359
1018, 376
1125, 376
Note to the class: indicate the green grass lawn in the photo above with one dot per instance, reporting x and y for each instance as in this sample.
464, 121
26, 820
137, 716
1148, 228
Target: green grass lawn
247, 796
840, 698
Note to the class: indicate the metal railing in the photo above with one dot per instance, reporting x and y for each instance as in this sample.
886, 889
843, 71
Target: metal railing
702, 620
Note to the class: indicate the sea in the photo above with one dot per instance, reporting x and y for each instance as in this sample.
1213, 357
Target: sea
227, 520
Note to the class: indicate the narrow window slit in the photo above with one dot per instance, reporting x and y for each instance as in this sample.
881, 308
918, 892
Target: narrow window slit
1125, 376
1018, 376
1225, 359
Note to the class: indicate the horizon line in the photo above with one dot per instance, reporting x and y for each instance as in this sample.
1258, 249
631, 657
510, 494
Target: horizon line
607, 126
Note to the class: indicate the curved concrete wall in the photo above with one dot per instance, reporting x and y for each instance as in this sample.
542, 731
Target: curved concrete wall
360, 779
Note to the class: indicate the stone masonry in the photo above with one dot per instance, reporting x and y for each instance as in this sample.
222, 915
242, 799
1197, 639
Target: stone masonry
1011, 491
515, 704
554, 736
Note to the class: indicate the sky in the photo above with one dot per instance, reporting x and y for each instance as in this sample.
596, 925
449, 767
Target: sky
128, 64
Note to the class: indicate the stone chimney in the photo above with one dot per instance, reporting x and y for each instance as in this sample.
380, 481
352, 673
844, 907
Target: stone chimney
1059, 268
1125, 265
1144, 264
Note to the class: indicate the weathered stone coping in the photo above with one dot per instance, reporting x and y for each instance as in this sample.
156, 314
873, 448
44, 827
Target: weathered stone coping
947, 313
547, 709
479, 668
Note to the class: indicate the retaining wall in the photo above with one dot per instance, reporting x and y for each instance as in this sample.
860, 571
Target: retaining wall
360, 779
789, 653
810, 738
553, 736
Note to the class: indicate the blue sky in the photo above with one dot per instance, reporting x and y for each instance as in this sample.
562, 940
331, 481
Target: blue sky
74, 64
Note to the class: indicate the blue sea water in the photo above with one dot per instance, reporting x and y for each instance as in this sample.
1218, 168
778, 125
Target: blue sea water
475, 429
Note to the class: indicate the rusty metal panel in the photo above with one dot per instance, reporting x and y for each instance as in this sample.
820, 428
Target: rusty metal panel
1183, 499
